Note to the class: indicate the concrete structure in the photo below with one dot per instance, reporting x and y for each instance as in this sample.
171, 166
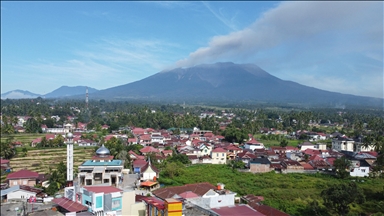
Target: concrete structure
259, 165
253, 144
69, 190
102, 169
101, 200
21, 192
343, 144
219, 156
23, 177
132, 206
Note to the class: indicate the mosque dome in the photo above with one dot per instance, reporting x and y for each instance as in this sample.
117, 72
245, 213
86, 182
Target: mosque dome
103, 151
69, 135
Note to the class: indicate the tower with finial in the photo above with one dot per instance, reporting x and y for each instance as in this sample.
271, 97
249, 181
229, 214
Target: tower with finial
86, 97
69, 190
69, 159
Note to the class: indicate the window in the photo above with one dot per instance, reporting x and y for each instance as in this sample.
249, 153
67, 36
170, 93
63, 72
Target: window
223, 155
88, 203
24, 182
115, 204
15, 183
217, 154
363, 170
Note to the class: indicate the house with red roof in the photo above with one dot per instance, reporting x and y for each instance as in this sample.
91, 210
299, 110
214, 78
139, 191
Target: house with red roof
253, 144
138, 131
149, 149
132, 141
5, 166
167, 153
23, 177
135, 156
219, 156
145, 140
245, 156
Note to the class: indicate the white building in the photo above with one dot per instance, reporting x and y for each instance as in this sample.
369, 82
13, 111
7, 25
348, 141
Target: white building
343, 144
254, 144
219, 156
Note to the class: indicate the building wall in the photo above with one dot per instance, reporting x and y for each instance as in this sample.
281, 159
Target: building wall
360, 171
137, 209
28, 182
219, 157
259, 168
222, 200
148, 174
85, 196
341, 145
19, 194
128, 199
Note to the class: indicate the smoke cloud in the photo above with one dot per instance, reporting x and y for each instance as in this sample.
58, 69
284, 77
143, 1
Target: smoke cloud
295, 22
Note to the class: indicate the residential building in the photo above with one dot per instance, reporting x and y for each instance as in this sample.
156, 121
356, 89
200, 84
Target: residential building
254, 144
259, 165
23, 177
343, 144
101, 199
101, 169
219, 156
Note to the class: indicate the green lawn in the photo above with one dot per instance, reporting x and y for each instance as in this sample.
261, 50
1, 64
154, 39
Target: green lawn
291, 193
269, 143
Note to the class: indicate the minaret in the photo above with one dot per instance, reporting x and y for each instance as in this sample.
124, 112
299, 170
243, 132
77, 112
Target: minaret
69, 159
86, 97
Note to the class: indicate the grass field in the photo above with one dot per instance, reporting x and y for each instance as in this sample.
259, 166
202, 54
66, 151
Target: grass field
269, 143
291, 193
24, 138
40, 160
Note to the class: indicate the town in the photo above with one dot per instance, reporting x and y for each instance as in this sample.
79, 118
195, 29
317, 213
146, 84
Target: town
108, 158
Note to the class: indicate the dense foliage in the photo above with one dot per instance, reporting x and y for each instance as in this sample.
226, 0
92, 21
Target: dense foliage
296, 194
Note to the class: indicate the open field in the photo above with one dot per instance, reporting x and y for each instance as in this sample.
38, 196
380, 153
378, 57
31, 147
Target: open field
40, 160
269, 143
25, 138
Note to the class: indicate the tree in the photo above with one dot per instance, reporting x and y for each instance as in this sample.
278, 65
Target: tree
283, 143
341, 165
57, 178
32, 126
236, 165
182, 158
7, 150
173, 169
339, 196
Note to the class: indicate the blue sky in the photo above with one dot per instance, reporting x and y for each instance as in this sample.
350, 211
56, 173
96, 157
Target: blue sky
335, 46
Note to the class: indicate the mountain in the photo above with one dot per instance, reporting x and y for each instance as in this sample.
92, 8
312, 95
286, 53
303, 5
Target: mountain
227, 82
19, 94
65, 91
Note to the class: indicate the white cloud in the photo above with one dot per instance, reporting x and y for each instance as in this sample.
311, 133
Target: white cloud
105, 63
220, 15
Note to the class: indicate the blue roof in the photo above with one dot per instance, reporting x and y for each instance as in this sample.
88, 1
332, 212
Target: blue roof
9, 190
105, 163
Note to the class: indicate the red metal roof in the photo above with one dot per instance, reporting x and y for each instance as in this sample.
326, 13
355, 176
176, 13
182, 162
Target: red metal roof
219, 150
23, 174
237, 210
148, 149
69, 205
3, 161
102, 189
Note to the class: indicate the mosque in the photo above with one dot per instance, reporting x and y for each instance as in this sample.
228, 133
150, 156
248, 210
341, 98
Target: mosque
101, 169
